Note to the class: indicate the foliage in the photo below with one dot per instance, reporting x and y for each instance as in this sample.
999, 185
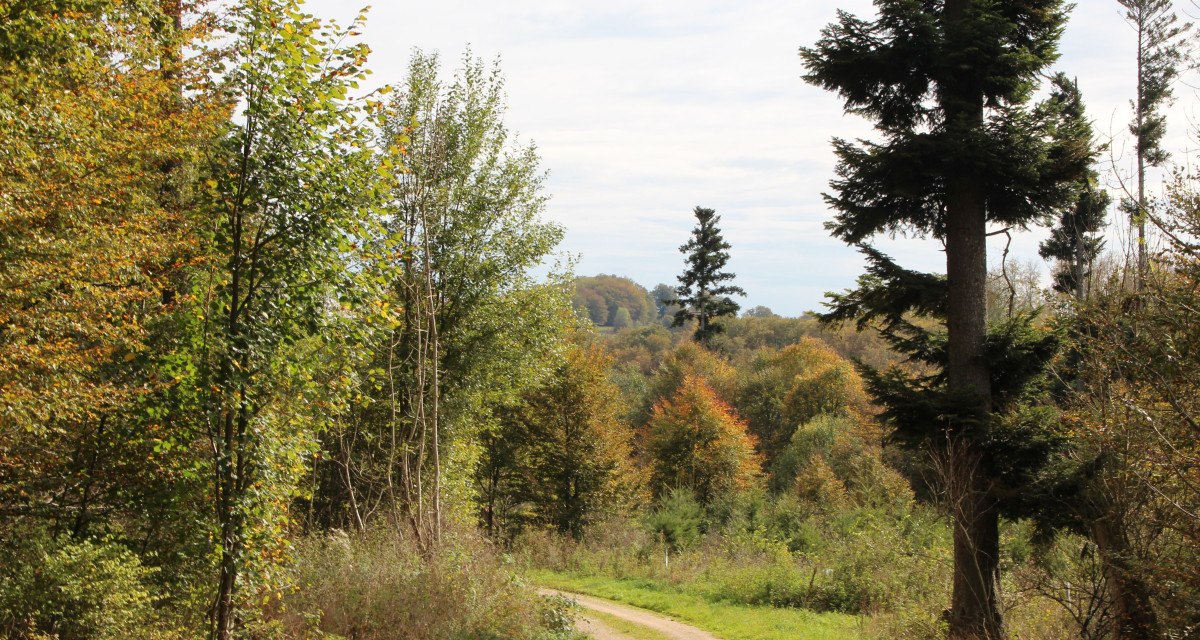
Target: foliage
677, 518
947, 86
90, 247
1075, 241
703, 292
779, 391
694, 441
288, 186
603, 298
688, 359
107, 111
1162, 49
72, 590
562, 457
665, 302
1132, 407
461, 326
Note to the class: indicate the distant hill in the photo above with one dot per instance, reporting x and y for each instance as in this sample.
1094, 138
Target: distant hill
613, 301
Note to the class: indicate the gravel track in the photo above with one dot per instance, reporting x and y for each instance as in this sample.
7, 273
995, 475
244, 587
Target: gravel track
657, 621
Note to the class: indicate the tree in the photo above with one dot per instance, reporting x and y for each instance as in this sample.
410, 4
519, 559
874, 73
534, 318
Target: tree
94, 247
780, 390
701, 291
694, 441
760, 311
1076, 239
664, 301
562, 457
1160, 52
947, 85
462, 327
603, 297
1132, 487
287, 187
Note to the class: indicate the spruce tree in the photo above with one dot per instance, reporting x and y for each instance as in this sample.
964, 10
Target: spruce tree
948, 85
703, 291
1160, 52
1076, 239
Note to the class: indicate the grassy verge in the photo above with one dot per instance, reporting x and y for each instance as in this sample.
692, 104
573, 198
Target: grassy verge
729, 621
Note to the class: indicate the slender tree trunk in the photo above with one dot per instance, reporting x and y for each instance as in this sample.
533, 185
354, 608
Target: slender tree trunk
975, 605
79, 529
1143, 260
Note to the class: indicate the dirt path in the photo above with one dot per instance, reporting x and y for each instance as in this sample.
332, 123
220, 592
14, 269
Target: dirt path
649, 619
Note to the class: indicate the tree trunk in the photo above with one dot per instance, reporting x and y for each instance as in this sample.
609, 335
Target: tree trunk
975, 605
1133, 617
1143, 260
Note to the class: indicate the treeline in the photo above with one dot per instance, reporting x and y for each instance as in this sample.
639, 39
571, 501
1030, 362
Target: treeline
245, 300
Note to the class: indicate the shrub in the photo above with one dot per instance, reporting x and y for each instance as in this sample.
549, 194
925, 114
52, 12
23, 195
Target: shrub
68, 590
678, 520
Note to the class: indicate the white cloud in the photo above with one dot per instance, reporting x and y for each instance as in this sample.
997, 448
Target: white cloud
642, 110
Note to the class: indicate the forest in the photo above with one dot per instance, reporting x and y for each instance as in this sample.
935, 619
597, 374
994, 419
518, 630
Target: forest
290, 352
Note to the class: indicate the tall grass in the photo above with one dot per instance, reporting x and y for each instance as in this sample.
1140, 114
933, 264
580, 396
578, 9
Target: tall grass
383, 586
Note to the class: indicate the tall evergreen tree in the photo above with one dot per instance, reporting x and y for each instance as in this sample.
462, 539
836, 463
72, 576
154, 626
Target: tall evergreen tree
703, 292
1160, 52
1075, 240
948, 85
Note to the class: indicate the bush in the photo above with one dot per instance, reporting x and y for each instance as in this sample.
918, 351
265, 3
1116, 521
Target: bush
66, 590
678, 520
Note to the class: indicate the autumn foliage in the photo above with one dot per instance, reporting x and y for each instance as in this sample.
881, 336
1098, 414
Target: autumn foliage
694, 440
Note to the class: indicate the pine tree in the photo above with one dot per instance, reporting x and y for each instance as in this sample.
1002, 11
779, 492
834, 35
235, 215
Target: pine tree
702, 291
948, 85
1160, 52
1076, 241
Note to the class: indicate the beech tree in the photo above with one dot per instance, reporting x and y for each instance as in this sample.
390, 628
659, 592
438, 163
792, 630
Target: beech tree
562, 456
702, 291
288, 185
694, 441
948, 86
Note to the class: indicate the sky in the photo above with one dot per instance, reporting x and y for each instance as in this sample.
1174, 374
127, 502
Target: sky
642, 110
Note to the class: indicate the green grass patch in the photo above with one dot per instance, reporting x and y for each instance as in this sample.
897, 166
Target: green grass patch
729, 621
635, 631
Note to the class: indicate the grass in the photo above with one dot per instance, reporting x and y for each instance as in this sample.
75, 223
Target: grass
728, 621
635, 631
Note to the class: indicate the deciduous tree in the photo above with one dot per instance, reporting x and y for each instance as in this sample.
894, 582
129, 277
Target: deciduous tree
694, 441
290, 183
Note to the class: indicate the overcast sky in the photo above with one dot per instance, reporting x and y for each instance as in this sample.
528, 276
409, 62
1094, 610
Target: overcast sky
642, 110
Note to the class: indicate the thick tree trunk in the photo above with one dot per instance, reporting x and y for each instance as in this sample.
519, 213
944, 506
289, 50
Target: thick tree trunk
975, 606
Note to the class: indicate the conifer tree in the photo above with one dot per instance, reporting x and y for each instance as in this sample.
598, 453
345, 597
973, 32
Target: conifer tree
703, 292
1075, 241
948, 86
1160, 52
